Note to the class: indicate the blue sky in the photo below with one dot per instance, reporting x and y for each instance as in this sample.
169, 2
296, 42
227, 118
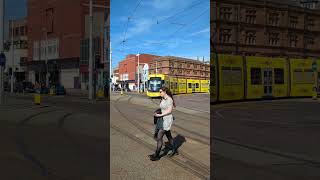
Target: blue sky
162, 27
14, 9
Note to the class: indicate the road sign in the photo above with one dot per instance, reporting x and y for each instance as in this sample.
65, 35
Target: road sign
314, 66
2, 59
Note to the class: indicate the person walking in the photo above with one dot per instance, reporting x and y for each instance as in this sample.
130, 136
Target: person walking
166, 105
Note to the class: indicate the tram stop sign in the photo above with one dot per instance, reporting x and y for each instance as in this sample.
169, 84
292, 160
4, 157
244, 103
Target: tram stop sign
2, 59
314, 66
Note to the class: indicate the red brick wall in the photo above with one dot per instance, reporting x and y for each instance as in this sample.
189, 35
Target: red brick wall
130, 63
68, 24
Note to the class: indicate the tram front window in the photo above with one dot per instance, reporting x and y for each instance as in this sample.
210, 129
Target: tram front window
154, 84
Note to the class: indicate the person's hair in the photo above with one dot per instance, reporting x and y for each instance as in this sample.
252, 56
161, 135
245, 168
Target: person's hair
168, 92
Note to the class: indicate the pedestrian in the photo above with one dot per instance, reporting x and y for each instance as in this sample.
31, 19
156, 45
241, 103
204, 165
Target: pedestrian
166, 105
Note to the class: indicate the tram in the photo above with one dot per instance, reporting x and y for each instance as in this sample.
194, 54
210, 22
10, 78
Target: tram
251, 77
176, 85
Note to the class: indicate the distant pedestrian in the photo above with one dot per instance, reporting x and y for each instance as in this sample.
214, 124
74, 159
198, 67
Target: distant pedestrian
166, 105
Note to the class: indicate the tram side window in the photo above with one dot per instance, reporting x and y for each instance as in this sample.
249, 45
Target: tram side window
256, 76
278, 76
236, 75
189, 85
231, 76
308, 74
226, 76
197, 85
297, 76
213, 79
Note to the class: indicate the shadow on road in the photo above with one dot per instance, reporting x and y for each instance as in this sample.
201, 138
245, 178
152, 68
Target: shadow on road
178, 141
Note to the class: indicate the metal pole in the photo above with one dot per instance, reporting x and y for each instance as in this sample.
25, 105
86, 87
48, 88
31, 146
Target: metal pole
138, 74
1, 50
47, 69
90, 54
12, 54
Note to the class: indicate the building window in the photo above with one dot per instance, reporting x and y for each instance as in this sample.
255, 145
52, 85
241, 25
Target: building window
250, 37
159, 64
225, 36
309, 41
310, 23
36, 50
188, 65
278, 76
49, 19
250, 16
293, 40
17, 31
256, 76
225, 13
195, 72
22, 31
274, 39
293, 22
188, 71
274, 19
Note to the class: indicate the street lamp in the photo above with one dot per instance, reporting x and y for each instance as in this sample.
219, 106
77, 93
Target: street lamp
138, 73
12, 54
46, 54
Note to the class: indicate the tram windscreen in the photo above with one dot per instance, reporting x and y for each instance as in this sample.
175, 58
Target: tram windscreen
154, 84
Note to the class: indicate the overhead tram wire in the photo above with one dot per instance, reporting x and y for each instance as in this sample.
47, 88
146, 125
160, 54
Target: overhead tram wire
183, 10
130, 16
192, 21
194, 4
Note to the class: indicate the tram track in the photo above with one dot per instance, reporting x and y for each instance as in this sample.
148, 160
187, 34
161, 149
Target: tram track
22, 146
196, 167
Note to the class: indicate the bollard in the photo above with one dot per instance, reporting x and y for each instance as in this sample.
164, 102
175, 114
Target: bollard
121, 92
100, 94
37, 99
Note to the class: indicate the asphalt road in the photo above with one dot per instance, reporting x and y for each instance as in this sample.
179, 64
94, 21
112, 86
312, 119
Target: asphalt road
267, 139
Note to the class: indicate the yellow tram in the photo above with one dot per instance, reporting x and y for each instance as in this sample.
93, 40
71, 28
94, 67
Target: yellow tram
250, 77
176, 85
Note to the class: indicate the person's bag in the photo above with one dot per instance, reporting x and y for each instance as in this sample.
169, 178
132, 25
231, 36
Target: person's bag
155, 119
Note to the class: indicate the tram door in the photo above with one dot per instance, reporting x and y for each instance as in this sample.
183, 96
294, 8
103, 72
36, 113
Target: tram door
267, 81
193, 85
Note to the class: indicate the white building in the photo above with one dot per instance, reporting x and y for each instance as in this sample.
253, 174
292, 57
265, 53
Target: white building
16, 54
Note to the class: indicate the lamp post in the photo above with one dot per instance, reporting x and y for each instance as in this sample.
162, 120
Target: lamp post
90, 53
138, 73
44, 30
12, 54
1, 50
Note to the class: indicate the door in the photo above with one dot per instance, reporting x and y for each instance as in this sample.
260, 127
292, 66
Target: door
193, 87
267, 81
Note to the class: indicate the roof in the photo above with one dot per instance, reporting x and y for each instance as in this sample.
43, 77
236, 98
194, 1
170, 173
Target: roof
178, 58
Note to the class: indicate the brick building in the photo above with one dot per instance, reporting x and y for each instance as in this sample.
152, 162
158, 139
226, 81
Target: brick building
180, 67
128, 71
286, 28
57, 27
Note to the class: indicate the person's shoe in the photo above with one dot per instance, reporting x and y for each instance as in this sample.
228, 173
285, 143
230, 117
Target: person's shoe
154, 157
173, 152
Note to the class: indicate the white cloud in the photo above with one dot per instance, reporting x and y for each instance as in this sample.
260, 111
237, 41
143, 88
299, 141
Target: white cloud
138, 27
